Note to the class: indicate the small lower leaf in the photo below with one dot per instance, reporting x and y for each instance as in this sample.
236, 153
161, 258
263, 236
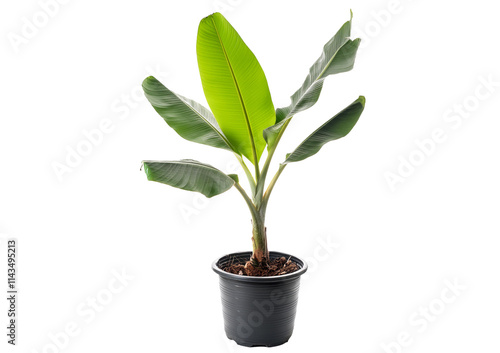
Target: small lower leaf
190, 175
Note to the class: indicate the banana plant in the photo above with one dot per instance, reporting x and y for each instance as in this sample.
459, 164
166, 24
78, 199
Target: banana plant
243, 120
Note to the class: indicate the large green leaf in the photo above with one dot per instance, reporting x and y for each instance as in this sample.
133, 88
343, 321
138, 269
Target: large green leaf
338, 56
335, 128
235, 86
190, 175
188, 118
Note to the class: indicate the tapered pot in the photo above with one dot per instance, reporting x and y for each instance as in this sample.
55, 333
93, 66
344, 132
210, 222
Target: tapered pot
258, 311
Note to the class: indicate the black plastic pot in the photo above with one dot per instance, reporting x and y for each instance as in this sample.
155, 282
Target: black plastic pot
258, 311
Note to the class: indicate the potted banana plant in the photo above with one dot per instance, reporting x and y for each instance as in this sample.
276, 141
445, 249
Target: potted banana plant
259, 288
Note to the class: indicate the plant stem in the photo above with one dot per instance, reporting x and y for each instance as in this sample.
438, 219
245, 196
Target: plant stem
249, 175
260, 255
262, 181
270, 188
249, 202
256, 164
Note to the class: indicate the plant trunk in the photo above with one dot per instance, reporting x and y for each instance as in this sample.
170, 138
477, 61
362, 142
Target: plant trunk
260, 256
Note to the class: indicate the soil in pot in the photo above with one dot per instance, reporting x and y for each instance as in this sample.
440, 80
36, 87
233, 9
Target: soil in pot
277, 267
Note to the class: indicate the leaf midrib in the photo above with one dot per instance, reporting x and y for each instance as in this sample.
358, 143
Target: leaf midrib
188, 103
331, 59
319, 76
247, 120
327, 65
223, 137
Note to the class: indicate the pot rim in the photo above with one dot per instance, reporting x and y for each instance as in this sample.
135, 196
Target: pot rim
302, 264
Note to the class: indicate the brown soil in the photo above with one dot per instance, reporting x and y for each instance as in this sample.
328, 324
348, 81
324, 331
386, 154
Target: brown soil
277, 267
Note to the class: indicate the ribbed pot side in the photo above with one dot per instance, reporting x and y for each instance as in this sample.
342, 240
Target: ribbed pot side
259, 311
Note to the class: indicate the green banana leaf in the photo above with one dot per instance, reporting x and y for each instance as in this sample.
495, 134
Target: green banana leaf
235, 86
188, 118
337, 127
338, 56
190, 175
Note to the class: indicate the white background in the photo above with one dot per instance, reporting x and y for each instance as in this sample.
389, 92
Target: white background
394, 247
